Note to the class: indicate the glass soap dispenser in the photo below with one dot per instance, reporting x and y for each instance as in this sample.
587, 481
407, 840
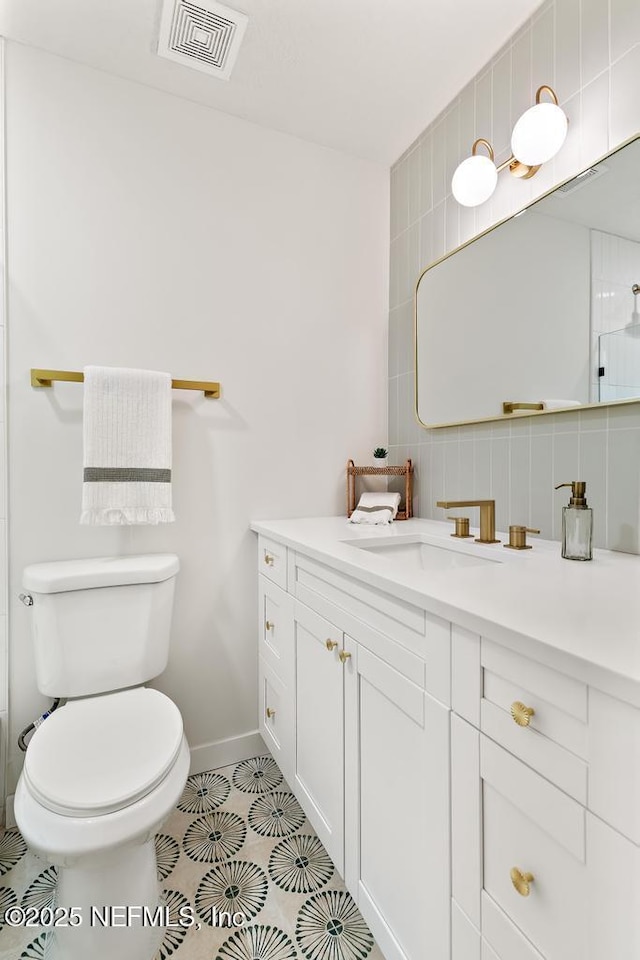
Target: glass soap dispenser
577, 523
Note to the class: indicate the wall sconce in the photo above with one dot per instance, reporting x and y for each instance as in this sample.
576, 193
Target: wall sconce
537, 137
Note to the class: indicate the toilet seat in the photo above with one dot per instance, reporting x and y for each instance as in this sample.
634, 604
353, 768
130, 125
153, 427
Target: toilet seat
97, 755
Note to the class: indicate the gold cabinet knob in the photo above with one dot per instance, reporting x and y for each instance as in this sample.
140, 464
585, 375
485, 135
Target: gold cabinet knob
269, 625
521, 881
268, 559
344, 656
331, 645
521, 713
270, 713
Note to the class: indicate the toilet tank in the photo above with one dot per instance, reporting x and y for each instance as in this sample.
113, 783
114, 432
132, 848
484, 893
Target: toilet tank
100, 624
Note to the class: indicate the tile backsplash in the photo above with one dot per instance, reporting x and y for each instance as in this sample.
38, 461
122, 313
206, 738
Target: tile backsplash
589, 51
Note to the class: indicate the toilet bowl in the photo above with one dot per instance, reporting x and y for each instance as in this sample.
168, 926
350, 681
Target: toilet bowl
104, 771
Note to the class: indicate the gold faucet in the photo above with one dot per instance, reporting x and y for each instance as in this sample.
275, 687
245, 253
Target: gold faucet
487, 516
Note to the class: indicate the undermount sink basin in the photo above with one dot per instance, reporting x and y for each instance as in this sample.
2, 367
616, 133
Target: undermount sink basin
424, 553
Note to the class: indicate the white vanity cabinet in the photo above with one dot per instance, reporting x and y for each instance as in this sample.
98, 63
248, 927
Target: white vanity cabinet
365, 738
536, 874
480, 803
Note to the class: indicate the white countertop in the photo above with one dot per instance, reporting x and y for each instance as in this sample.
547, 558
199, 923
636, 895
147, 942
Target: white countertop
580, 617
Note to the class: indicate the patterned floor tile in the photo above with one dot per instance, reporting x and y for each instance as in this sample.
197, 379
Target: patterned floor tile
236, 843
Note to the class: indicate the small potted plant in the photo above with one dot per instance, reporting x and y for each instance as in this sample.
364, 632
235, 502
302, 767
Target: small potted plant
380, 457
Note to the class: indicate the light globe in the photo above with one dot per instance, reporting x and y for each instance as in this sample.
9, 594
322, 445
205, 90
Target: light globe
474, 181
539, 134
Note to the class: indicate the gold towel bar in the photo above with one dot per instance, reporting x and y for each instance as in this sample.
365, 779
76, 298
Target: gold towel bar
45, 378
509, 406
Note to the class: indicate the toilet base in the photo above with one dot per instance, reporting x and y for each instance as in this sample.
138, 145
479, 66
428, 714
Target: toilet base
110, 892
104, 861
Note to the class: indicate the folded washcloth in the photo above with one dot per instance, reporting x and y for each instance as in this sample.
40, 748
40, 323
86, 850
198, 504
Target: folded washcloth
127, 447
376, 508
559, 404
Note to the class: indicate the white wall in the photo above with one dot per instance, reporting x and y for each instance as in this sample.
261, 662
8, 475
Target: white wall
589, 50
145, 230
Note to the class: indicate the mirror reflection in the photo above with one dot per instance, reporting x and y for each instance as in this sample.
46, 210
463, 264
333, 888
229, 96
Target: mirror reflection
543, 311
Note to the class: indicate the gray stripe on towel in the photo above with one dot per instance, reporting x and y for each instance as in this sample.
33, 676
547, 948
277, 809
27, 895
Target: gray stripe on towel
126, 475
375, 509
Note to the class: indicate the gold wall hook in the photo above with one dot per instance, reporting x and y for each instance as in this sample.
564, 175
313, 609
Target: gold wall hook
344, 655
270, 713
521, 881
268, 559
268, 625
521, 713
331, 645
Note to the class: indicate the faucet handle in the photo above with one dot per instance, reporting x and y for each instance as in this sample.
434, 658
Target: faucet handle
518, 537
462, 527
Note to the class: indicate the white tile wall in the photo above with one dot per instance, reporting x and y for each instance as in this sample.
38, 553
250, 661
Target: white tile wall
590, 51
615, 311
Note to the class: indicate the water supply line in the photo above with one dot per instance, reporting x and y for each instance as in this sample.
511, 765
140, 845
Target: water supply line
36, 723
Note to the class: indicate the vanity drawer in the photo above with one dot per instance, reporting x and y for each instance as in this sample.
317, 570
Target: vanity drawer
272, 561
275, 620
413, 642
275, 717
316, 583
531, 826
538, 714
501, 939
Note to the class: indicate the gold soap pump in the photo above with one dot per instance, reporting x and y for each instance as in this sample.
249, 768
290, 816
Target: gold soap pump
577, 523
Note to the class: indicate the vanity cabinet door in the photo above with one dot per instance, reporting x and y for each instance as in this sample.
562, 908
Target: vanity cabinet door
275, 706
397, 808
318, 777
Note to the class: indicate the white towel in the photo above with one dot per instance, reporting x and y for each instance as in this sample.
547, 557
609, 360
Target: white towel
127, 447
376, 508
559, 404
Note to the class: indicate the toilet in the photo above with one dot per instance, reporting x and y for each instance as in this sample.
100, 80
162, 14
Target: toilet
104, 770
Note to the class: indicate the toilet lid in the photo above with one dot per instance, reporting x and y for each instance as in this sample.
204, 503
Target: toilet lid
97, 755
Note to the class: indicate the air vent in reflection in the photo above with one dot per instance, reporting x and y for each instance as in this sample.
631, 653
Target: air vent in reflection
586, 177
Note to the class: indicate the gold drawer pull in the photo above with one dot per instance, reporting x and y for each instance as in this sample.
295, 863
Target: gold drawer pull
344, 656
521, 881
521, 713
268, 559
270, 713
268, 625
331, 645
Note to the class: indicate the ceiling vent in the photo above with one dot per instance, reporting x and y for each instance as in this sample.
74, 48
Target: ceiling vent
205, 35
592, 173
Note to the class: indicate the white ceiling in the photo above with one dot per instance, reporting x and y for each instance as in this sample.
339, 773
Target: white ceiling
361, 76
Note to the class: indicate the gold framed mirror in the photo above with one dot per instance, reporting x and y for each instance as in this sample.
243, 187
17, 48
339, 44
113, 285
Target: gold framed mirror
541, 312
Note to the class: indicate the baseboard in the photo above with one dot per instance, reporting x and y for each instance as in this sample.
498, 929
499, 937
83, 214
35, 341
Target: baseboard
221, 753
